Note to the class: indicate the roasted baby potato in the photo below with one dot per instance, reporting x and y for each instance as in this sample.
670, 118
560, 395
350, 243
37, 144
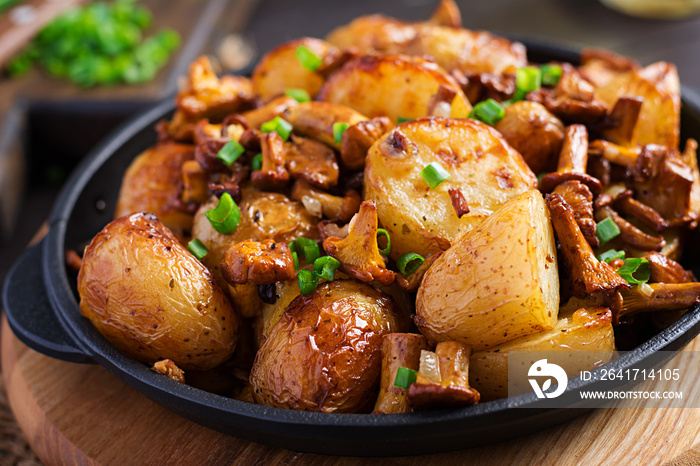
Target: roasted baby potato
393, 86
152, 299
324, 354
280, 69
151, 183
583, 330
421, 219
659, 86
496, 283
534, 132
470, 52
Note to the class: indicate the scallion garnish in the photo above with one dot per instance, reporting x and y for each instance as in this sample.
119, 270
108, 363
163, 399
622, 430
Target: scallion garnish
409, 263
308, 281
489, 111
387, 250
256, 162
610, 255
305, 246
300, 95
434, 174
307, 58
230, 152
606, 230
225, 216
551, 74
295, 258
401, 119
326, 266
405, 377
338, 131
197, 248
528, 79
279, 126
635, 266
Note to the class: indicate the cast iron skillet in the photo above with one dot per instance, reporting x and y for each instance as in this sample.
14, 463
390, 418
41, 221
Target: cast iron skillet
40, 301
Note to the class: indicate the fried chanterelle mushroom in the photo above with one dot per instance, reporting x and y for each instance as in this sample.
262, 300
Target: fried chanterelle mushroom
358, 253
261, 262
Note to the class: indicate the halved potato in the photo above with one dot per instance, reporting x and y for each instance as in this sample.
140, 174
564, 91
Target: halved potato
583, 330
481, 165
280, 69
393, 86
659, 119
496, 283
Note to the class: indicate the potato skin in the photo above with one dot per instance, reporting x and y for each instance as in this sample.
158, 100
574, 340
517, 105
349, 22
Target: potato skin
393, 86
152, 299
534, 132
325, 352
151, 183
421, 219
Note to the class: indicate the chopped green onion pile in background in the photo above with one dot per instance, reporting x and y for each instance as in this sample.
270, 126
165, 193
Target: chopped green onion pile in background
101, 43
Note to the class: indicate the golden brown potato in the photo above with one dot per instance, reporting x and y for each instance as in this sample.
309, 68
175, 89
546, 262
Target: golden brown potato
496, 283
583, 330
151, 183
659, 119
152, 299
481, 165
324, 354
534, 132
393, 86
470, 52
285, 293
280, 69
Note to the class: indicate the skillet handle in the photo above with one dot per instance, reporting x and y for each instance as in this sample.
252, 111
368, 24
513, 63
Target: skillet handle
29, 311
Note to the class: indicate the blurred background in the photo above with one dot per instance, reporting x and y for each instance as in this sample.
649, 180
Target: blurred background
52, 115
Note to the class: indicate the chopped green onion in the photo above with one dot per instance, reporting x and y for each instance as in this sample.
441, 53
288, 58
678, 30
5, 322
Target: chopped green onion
197, 248
606, 230
326, 266
300, 95
632, 266
279, 126
405, 377
225, 216
256, 163
306, 246
528, 79
230, 152
295, 258
489, 111
409, 263
401, 119
387, 250
338, 131
307, 58
611, 255
434, 174
308, 281
551, 74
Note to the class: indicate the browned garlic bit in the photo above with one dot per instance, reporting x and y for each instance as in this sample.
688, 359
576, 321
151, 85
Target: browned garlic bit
443, 378
358, 253
259, 262
168, 368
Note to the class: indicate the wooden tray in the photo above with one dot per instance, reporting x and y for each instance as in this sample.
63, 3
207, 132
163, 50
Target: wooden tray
81, 414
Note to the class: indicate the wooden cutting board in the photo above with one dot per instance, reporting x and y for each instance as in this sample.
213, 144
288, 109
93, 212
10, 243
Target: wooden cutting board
81, 414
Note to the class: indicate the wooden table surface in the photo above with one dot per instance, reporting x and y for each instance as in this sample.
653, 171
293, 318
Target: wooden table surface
81, 414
